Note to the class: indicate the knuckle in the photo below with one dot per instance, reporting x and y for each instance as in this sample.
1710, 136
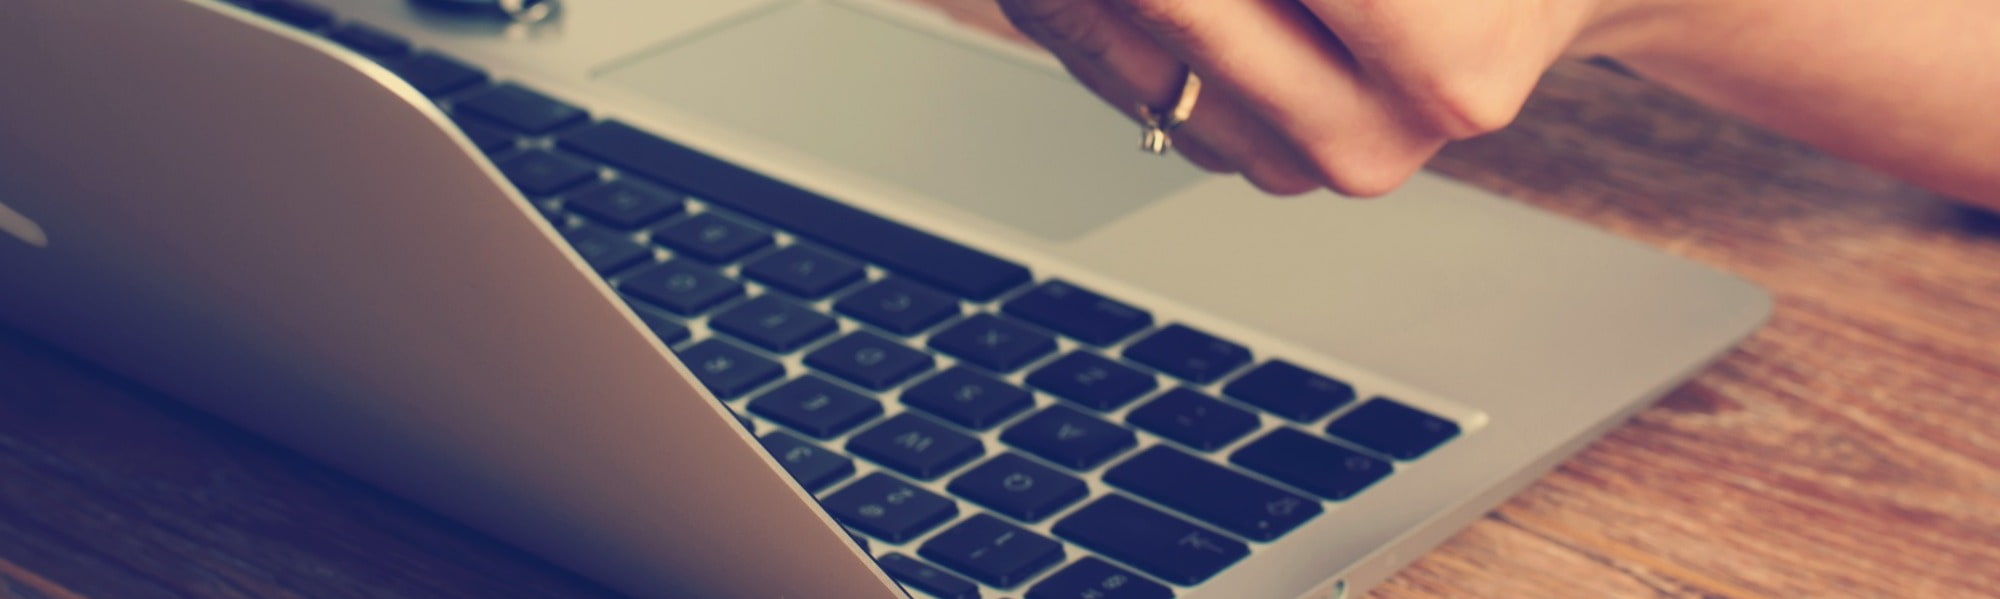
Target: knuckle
1354, 174
1462, 107
1169, 16
1054, 23
1279, 181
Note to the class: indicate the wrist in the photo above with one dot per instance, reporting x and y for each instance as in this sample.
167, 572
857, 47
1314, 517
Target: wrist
1640, 30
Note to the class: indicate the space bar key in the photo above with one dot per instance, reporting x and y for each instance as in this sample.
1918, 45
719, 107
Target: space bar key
962, 270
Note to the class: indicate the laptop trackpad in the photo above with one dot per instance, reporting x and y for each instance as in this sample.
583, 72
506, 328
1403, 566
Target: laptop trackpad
994, 136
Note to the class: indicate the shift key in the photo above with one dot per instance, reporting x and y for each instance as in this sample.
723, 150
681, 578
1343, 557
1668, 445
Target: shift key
1212, 493
1170, 548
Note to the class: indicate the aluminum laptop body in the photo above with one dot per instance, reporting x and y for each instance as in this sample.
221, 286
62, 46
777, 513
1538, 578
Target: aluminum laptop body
275, 228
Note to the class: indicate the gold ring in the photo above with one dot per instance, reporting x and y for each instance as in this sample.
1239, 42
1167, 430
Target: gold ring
1153, 137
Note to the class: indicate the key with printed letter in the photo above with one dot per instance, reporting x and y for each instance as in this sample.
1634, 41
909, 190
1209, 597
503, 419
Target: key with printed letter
927, 579
1290, 391
774, 323
1092, 578
727, 370
1188, 353
1396, 430
805, 271
1067, 436
712, 238
1091, 380
1079, 313
998, 344
682, 287
887, 508
624, 204
899, 306
815, 468
813, 406
967, 397
541, 172
868, 360
1311, 463
1193, 418
1018, 487
916, 446
605, 251
992, 551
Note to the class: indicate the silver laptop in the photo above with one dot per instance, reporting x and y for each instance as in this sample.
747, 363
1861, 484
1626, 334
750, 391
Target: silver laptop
795, 298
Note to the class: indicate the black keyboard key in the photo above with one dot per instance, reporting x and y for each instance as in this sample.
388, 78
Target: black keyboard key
916, 446
774, 323
1193, 419
967, 397
727, 370
669, 331
713, 238
606, 251
489, 138
1212, 493
1092, 578
297, 14
1069, 437
435, 75
545, 173
927, 579
814, 467
1184, 352
1394, 429
1092, 380
813, 406
1164, 546
1079, 313
996, 343
624, 205
804, 271
1019, 487
925, 257
869, 360
523, 109
992, 551
371, 42
899, 306
887, 508
681, 286
1290, 391
1307, 462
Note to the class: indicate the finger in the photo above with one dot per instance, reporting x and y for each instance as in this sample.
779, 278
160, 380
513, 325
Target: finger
1075, 32
1465, 70
1125, 67
1291, 72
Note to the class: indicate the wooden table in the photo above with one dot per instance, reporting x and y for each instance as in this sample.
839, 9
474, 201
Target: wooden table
1851, 448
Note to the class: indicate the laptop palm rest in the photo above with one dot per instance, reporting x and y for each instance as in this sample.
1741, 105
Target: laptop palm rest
1012, 142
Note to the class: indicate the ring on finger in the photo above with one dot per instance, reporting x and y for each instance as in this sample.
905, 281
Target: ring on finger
1156, 125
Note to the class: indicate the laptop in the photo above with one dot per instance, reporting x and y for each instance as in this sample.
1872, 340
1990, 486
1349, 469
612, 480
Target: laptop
800, 298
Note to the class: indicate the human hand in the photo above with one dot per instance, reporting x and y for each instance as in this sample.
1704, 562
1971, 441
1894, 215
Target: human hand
1353, 95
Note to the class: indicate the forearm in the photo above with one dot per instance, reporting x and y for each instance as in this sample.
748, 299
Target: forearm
1912, 88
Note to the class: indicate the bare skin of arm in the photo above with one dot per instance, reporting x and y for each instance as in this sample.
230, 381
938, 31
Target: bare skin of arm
1355, 95
1912, 88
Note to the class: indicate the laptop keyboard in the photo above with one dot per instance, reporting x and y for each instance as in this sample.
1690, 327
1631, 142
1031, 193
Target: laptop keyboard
992, 432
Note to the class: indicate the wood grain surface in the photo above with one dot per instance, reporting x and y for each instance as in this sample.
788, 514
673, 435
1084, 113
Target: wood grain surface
1851, 448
